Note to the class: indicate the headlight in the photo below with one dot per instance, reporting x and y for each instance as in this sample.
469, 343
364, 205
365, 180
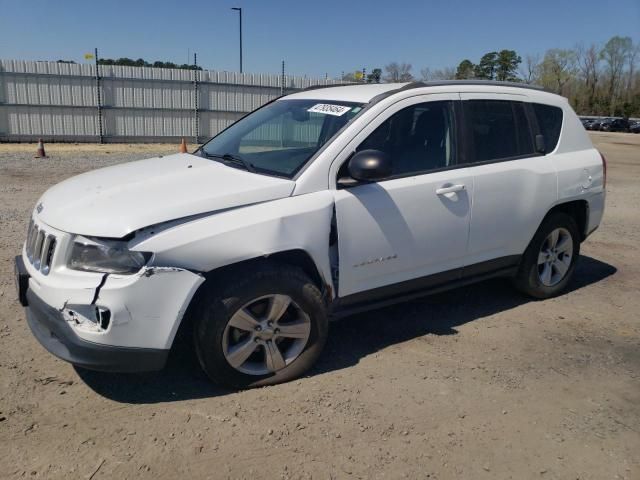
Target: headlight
105, 256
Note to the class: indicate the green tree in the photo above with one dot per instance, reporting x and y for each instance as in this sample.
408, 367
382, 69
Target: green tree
557, 69
507, 64
375, 76
486, 68
465, 70
143, 63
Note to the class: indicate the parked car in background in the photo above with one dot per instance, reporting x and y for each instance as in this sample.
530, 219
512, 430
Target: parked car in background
595, 124
601, 124
586, 122
616, 125
320, 204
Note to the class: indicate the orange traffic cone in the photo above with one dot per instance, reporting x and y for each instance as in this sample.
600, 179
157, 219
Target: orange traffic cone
40, 153
183, 146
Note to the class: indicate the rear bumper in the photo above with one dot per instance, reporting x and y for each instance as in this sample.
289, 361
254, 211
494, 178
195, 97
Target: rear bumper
54, 333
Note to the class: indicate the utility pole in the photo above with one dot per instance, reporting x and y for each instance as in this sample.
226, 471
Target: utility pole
239, 10
98, 98
196, 119
282, 80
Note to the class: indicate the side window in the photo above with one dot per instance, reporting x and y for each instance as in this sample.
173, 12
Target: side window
550, 122
418, 138
498, 129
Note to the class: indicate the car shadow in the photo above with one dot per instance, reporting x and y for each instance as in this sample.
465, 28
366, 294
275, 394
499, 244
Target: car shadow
350, 339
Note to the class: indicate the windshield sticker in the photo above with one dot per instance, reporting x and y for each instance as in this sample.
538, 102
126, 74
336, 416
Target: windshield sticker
328, 109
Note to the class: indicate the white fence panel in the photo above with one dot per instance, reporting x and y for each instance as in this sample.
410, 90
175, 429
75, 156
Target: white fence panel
58, 101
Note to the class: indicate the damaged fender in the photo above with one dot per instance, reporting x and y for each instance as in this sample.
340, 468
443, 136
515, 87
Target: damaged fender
206, 243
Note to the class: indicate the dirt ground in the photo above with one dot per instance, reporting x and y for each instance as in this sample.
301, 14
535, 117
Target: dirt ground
477, 383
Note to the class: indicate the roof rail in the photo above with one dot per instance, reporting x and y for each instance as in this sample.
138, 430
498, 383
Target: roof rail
496, 83
434, 83
318, 87
442, 83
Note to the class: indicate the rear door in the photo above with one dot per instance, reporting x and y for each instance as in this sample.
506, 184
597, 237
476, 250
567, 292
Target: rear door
513, 184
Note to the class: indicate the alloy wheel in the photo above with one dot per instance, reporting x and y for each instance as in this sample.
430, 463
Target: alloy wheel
554, 258
265, 335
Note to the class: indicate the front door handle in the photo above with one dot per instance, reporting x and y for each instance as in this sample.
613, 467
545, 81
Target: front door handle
450, 189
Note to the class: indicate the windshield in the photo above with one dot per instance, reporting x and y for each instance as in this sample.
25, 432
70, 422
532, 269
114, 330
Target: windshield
282, 136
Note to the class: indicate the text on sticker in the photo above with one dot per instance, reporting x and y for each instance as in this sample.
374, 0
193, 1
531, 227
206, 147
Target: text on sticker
329, 109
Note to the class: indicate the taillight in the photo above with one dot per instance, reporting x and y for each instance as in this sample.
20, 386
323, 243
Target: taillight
604, 170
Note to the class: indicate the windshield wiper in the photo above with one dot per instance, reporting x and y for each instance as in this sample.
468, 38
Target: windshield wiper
237, 159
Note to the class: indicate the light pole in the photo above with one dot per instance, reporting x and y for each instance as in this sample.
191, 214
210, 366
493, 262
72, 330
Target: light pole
239, 10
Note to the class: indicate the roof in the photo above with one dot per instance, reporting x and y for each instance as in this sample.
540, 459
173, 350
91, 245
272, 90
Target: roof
357, 92
365, 93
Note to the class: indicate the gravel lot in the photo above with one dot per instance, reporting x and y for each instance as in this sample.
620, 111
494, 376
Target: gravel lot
476, 383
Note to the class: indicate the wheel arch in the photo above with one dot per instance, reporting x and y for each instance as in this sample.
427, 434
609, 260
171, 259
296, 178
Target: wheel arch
297, 257
576, 209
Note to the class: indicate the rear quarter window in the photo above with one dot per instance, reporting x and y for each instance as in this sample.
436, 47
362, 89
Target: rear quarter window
550, 123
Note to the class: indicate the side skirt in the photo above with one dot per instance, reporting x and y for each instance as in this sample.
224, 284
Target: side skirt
424, 286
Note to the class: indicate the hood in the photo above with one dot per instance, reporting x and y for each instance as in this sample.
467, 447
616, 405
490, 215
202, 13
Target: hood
115, 201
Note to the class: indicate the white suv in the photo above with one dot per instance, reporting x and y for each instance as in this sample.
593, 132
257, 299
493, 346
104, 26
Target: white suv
319, 204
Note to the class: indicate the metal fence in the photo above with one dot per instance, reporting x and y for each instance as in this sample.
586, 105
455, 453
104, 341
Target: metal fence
70, 102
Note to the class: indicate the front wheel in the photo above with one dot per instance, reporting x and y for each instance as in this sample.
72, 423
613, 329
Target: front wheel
260, 327
550, 259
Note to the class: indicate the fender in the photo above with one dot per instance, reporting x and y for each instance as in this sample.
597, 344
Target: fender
207, 243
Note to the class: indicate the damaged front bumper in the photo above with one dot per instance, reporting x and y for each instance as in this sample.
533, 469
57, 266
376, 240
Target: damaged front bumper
111, 322
56, 335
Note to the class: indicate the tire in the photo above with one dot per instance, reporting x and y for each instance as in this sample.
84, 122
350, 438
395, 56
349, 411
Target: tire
543, 280
259, 291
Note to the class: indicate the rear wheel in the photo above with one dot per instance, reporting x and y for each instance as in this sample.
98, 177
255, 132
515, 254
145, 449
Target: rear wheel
260, 327
549, 261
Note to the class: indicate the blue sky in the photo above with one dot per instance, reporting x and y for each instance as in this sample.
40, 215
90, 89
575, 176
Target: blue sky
314, 37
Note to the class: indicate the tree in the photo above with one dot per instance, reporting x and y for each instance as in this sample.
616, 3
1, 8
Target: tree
350, 77
596, 80
588, 61
557, 68
465, 70
615, 54
447, 73
375, 76
143, 63
632, 57
487, 67
531, 69
398, 72
507, 64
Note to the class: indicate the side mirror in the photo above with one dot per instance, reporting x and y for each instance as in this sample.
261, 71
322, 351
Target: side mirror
370, 165
540, 144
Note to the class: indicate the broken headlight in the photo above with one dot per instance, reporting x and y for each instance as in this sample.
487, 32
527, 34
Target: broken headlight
105, 256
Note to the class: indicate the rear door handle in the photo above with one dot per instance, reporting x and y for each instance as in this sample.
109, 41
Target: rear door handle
450, 189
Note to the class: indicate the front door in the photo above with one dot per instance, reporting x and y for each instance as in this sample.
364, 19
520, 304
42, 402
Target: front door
395, 234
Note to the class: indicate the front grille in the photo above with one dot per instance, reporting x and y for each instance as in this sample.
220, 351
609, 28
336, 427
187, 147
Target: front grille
40, 247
